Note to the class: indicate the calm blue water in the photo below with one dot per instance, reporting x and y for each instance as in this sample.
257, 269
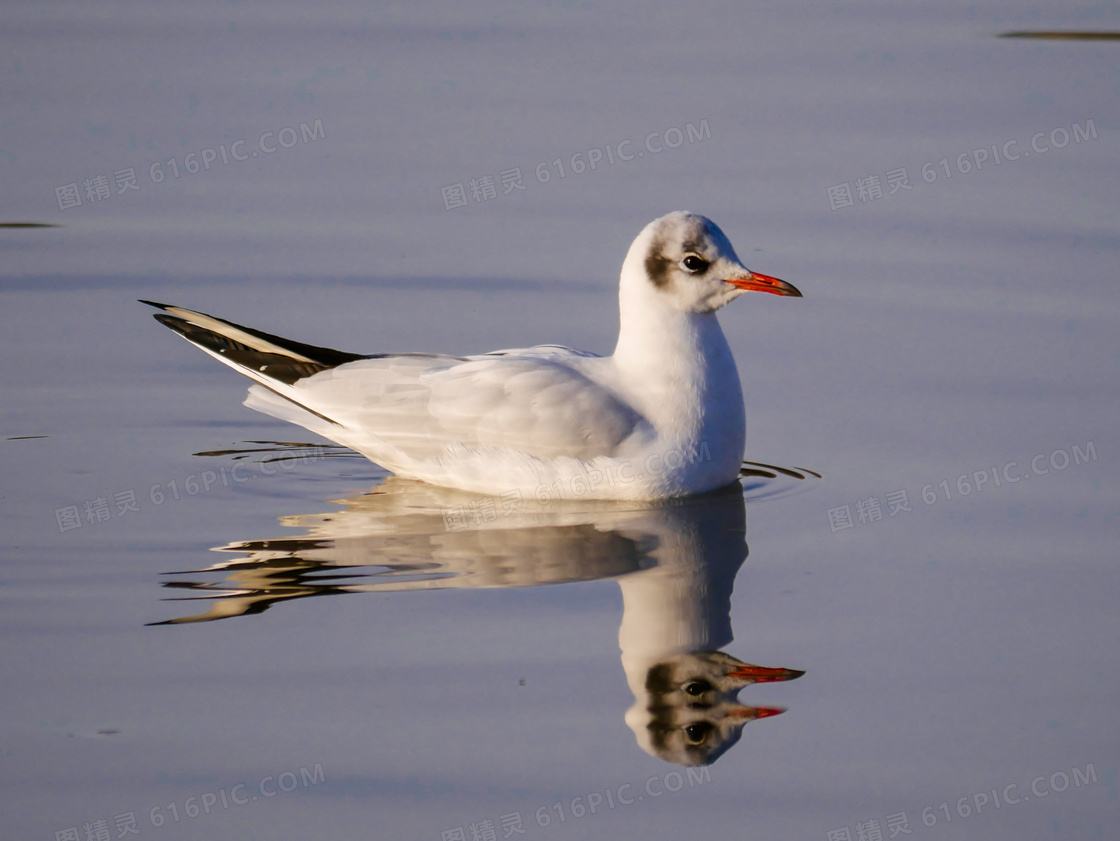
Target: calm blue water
387, 661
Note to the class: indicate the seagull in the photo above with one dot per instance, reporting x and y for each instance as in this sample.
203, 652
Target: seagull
662, 417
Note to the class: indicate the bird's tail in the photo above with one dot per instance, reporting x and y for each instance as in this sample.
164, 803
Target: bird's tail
271, 361
268, 359
279, 366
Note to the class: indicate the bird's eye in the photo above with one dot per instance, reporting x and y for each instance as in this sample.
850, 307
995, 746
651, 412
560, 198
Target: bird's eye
697, 687
697, 732
694, 264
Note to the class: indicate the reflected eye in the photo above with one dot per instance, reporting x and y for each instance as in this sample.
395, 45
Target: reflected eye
694, 264
697, 732
697, 687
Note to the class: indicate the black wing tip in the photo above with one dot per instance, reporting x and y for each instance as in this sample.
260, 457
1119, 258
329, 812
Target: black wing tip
176, 324
320, 357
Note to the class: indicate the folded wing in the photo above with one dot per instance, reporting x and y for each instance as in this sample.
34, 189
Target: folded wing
404, 409
536, 405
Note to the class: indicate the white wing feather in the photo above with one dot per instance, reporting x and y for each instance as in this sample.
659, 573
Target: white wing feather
415, 414
532, 403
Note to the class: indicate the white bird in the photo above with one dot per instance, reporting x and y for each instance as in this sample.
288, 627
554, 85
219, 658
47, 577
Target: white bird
662, 417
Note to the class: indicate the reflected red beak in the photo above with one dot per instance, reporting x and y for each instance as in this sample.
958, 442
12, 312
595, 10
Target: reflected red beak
764, 674
756, 282
752, 713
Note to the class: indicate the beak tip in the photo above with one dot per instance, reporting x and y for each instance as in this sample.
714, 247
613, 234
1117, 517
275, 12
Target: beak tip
766, 712
757, 282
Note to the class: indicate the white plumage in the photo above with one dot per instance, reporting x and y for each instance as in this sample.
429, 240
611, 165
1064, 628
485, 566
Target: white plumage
662, 417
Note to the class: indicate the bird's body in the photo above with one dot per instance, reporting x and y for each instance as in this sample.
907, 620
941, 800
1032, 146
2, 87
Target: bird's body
662, 417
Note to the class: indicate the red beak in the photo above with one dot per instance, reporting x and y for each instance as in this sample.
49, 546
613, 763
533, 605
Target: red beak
755, 282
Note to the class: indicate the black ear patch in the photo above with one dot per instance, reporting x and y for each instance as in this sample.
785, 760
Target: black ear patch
657, 264
659, 682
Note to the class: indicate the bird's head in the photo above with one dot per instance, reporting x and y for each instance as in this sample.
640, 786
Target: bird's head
690, 715
688, 261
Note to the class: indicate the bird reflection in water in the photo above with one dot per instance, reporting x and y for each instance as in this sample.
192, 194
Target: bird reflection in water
675, 561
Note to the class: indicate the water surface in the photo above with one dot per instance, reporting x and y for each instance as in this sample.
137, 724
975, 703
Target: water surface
946, 586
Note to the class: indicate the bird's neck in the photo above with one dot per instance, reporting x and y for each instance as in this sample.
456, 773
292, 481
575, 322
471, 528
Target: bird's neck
683, 602
673, 609
675, 361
